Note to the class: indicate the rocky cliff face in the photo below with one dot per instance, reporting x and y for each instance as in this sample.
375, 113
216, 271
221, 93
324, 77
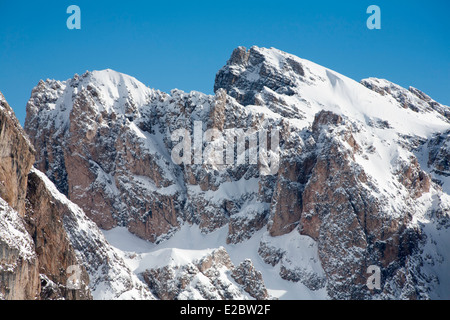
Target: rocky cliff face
44, 222
19, 274
355, 174
16, 158
43, 237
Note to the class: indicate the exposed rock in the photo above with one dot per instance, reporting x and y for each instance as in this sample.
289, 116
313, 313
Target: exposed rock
439, 156
117, 166
19, 274
209, 277
243, 65
251, 279
44, 222
414, 179
16, 158
100, 163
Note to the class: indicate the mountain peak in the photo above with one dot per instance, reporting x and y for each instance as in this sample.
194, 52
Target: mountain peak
247, 72
107, 90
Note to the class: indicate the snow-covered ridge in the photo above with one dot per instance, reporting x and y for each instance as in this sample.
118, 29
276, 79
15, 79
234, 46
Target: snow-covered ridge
316, 88
112, 92
116, 89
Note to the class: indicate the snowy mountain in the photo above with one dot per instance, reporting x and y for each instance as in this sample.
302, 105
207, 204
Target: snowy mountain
289, 182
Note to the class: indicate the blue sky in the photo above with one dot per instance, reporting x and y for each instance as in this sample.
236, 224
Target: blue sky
182, 44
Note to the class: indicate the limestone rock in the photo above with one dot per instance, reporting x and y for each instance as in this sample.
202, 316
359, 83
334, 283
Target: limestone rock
44, 222
16, 158
212, 277
251, 279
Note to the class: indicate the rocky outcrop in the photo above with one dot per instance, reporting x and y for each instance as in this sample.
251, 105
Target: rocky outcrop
100, 163
35, 253
56, 255
413, 178
211, 277
250, 279
321, 189
254, 64
439, 155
